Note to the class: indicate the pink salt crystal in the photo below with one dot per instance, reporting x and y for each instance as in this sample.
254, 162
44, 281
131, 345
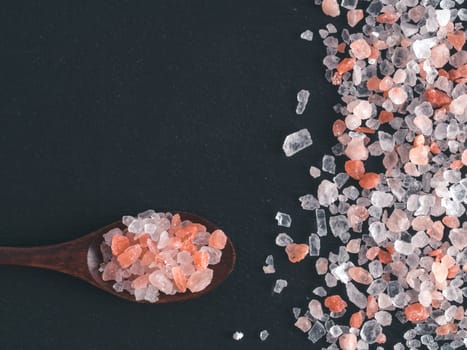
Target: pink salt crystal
354, 16
356, 215
385, 84
159, 280
110, 271
439, 56
348, 341
353, 246
303, 323
140, 282
398, 221
360, 49
356, 149
321, 266
458, 105
422, 223
440, 271
398, 95
331, 8
419, 155
200, 280
360, 275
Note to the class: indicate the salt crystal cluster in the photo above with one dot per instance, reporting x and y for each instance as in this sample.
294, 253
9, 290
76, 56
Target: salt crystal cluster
402, 75
160, 253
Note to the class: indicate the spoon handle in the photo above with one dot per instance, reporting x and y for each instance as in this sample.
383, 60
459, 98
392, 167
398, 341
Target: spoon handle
68, 257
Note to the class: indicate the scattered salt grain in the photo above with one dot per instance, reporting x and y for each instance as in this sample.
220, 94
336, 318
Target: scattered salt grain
302, 99
279, 286
296, 142
307, 35
283, 219
263, 335
237, 336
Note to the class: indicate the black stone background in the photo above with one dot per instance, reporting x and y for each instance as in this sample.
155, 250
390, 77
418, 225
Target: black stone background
112, 107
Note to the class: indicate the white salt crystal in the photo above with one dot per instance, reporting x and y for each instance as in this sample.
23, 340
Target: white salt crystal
309, 202
315, 172
302, 99
237, 335
307, 35
321, 225
316, 332
279, 286
329, 164
443, 17
355, 296
283, 219
314, 244
296, 142
422, 47
263, 335
283, 239
327, 193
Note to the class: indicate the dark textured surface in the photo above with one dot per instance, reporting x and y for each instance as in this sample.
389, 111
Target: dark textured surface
109, 108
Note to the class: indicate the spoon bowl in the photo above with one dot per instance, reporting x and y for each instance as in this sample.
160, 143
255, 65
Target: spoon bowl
82, 257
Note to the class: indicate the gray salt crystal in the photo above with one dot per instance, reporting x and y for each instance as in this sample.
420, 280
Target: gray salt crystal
283, 219
375, 268
351, 192
296, 312
384, 318
307, 35
279, 286
338, 225
296, 142
331, 281
314, 244
263, 335
302, 99
321, 225
320, 291
377, 287
370, 331
349, 4
309, 202
340, 179
386, 141
269, 260
331, 28
329, 164
355, 296
283, 239
152, 294
316, 332
127, 220
378, 231
462, 13
323, 33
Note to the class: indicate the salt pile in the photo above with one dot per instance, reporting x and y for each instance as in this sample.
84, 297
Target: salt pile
402, 75
160, 253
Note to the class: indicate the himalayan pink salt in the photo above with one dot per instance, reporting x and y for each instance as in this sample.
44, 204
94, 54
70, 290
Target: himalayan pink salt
360, 275
348, 341
303, 323
360, 49
439, 56
129, 256
296, 252
458, 105
356, 215
419, 155
371, 307
354, 16
218, 239
437, 98
331, 8
199, 280
355, 168
110, 271
398, 221
457, 39
464, 157
356, 149
397, 95
369, 181
321, 266
356, 320
385, 84
416, 313
335, 303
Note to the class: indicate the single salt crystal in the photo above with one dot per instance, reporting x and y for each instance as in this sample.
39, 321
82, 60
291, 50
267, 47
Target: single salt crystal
309, 202
136, 226
283, 239
127, 220
321, 225
263, 335
302, 99
315, 308
403, 247
462, 13
386, 141
422, 47
307, 35
381, 199
327, 193
315, 172
355, 296
316, 332
443, 17
314, 244
303, 323
296, 312
108, 236
237, 335
338, 225
331, 28
329, 164
279, 286
321, 266
370, 331
349, 4
340, 179
296, 142
152, 294
320, 291
283, 219
363, 109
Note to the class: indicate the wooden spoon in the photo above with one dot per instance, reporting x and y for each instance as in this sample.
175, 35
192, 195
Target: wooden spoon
81, 258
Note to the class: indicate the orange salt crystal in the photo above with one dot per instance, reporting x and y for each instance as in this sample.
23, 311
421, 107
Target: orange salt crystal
356, 320
119, 244
385, 117
201, 260
446, 329
456, 164
341, 47
369, 181
129, 256
148, 258
142, 240
365, 130
374, 53
354, 168
384, 257
416, 313
188, 246
451, 221
296, 252
371, 307
140, 282
346, 65
335, 303
188, 230
452, 271
419, 140
457, 39
443, 73
338, 127
385, 84
218, 239
372, 253
437, 98
179, 278
373, 83
434, 148
388, 17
